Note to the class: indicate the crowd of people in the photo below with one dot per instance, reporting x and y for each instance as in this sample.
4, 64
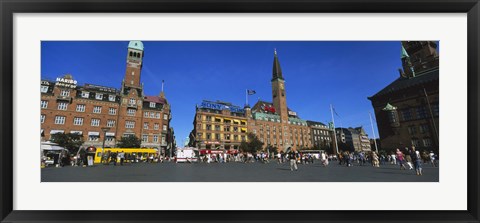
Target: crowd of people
407, 158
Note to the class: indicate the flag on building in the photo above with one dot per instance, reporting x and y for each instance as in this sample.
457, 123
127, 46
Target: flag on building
251, 92
335, 112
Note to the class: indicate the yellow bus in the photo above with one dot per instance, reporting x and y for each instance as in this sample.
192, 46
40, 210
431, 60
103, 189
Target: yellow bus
140, 154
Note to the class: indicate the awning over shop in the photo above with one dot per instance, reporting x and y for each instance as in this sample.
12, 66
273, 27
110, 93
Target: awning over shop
77, 132
210, 151
56, 131
41, 131
244, 129
232, 151
94, 133
110, 134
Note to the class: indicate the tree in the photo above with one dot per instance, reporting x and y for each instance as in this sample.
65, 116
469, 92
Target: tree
130, 141
69, 141
253, 145
244, 146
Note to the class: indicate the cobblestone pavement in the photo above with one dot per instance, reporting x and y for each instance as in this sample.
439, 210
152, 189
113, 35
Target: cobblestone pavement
236, 172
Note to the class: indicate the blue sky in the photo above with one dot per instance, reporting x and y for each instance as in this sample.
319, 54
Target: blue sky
316, 74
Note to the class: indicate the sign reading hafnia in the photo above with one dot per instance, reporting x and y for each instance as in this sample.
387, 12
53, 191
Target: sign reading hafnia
62, 82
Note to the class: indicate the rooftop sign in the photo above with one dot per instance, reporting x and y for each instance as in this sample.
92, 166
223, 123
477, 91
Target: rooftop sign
216, 106
69, 83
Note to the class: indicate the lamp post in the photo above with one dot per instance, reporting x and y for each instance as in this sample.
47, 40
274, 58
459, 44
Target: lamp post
105, 130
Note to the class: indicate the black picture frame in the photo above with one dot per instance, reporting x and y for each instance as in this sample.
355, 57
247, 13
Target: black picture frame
9, 7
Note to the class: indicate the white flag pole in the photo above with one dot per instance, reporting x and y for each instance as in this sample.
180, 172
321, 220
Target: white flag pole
246, 96
373, 130
334, 132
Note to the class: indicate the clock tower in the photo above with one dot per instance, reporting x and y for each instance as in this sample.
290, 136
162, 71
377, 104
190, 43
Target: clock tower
134, 64
278, 90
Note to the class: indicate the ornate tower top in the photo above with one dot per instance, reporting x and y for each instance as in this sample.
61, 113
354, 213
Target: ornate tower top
138, 45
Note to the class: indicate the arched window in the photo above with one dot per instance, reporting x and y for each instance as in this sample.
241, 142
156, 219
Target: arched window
131, 53
138, 55
134, 54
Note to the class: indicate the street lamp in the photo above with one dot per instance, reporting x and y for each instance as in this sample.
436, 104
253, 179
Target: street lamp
105, 130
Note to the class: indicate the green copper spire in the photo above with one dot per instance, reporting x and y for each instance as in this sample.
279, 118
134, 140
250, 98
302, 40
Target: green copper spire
389, 107
404, 52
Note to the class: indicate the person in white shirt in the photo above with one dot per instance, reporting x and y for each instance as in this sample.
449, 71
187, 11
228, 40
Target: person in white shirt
432, 158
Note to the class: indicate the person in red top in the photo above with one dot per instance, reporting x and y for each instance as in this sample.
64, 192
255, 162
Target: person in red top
400, 159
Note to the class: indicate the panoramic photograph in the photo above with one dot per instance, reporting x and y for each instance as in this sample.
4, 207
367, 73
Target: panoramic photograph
239, 111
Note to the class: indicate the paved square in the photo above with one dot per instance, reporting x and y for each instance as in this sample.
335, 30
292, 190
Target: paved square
236, 172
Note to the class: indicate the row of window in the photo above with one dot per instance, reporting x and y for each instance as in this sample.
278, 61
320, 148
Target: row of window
145, 139
154, 115
208, 127
81, 108
320, 132
209, 119
412, 130
426, 142
317, 138
98, 109
156, 126
98, 96
209, 136
408, 114
60, 120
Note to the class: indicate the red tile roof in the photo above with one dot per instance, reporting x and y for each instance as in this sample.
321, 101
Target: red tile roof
155, 99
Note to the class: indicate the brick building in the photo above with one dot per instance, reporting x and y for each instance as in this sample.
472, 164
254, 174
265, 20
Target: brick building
69, 108
407, 110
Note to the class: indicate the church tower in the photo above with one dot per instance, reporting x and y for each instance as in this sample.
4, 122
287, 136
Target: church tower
134, 64
278, 90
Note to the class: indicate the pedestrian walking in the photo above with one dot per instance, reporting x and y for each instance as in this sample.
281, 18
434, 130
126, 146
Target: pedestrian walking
293, 161
432, 158
418, 163
400, 159
408, 158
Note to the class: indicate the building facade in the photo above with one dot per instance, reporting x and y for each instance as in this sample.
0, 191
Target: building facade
218, 125
91, 109
407, 110
321, 135
352, 139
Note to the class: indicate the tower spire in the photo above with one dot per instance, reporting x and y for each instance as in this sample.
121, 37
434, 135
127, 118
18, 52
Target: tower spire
404, 53
162, 94
277, 70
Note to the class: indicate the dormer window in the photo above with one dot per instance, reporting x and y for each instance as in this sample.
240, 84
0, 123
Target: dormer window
152, 104
111, 97
85, 94
98, 96
44, 89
